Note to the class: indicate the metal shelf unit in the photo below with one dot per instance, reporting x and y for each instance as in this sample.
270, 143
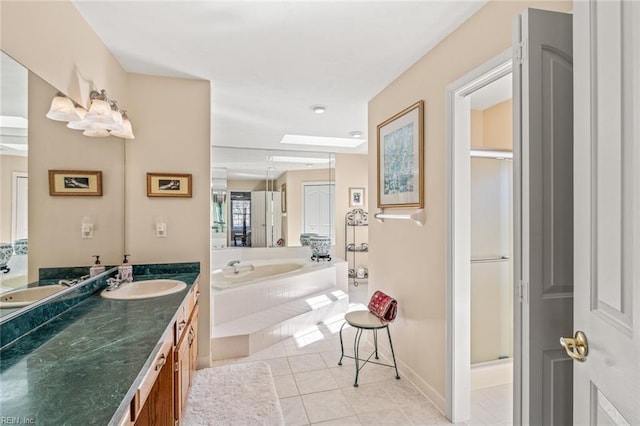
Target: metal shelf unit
355, 243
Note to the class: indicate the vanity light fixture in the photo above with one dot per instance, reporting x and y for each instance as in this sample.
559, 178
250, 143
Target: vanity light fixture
104, 117
126, 132
63, 109
100, 110
319, 109
96, 133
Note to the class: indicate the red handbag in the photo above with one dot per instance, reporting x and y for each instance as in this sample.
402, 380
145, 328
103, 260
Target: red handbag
383, 306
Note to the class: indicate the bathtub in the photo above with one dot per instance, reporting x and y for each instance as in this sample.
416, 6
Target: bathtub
252, 271
254, 309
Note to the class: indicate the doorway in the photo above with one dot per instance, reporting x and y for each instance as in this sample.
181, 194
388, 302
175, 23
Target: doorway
459, 98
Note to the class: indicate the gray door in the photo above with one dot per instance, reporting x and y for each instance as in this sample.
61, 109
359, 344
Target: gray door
543, 222
607, 207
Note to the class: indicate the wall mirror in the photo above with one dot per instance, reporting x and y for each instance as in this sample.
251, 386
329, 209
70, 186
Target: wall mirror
267, 198
38, 230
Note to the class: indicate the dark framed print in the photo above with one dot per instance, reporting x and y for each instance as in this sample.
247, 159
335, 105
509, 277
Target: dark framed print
75, 182
169, 185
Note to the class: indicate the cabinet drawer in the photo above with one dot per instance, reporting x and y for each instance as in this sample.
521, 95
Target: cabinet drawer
150, 378
184, 313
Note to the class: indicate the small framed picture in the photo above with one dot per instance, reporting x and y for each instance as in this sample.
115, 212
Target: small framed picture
75, 182
356, 197
168, 185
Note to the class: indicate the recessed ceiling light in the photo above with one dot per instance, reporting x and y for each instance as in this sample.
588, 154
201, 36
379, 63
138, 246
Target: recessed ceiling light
318, 109
356, 134
322, 141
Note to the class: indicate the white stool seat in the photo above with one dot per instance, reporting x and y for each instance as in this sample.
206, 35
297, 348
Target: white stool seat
364, 319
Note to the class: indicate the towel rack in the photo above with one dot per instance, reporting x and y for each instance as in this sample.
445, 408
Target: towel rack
417, 216
490, 259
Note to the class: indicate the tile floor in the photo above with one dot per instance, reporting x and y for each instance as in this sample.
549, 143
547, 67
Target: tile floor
313, 389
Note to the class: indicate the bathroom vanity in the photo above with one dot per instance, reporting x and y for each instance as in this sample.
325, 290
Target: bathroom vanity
115, 362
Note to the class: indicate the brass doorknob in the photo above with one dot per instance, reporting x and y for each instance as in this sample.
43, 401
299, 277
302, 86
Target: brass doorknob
577, 347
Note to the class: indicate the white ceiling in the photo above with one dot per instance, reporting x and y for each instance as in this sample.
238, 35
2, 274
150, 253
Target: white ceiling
270, 61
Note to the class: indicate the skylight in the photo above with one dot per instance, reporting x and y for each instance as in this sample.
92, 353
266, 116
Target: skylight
322, 141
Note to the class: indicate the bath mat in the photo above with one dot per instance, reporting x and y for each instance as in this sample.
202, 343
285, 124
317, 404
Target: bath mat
236, 394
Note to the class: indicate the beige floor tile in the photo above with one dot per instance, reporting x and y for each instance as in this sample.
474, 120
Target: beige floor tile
315, 381
293, 411
345, 421
286, 386
368, 397
329, 405
392, 417
423, 413
306, 362
279, 366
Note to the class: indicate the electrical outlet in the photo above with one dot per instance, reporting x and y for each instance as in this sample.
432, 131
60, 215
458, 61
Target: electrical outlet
161, 230
87, 230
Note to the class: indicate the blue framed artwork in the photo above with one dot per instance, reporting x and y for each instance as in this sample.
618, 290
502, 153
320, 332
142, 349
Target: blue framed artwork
400, 159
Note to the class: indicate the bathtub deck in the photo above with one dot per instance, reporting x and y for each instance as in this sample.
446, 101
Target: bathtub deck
251, 333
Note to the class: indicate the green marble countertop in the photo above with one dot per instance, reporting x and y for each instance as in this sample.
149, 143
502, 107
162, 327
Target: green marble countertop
84, 366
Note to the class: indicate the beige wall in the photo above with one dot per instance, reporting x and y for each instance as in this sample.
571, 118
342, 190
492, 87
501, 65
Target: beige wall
406, 261
477, 135
53, 40
8, 165
497, 128
351, 172
55, 222
158, 103
492, 128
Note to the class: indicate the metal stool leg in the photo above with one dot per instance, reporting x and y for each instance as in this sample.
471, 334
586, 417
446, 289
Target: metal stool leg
393, 355
341, 344
375, 341
356, 345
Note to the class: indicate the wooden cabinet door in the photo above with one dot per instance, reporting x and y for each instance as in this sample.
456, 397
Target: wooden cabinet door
182, 375
158, 408
193, 345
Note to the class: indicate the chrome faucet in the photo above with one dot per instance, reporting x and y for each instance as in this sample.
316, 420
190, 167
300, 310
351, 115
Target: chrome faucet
113, 283
233, 263
69, 283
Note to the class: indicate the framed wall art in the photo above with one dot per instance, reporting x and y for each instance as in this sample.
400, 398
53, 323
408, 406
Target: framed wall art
400, 159
75, 182
168, 185
356, 197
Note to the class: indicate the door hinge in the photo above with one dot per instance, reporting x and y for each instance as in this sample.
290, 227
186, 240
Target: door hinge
523, 291
176, 366
519, 55
176, 423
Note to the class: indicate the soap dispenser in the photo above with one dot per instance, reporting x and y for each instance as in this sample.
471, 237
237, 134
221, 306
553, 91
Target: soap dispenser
96, 268
125, 271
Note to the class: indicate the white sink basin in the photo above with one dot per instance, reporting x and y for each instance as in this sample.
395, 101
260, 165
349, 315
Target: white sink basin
144, 289
26, 296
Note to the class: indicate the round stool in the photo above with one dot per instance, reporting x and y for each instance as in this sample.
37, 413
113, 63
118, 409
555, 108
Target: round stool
365, 320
